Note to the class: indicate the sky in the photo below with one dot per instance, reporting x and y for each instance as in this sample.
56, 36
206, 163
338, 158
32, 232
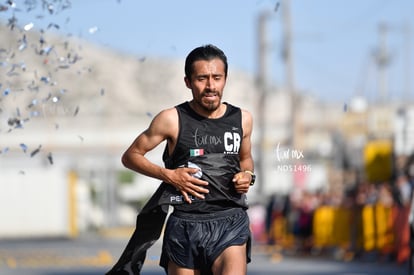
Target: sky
334, 42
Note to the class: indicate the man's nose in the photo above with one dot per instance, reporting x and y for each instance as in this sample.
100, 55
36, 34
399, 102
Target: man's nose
210, 83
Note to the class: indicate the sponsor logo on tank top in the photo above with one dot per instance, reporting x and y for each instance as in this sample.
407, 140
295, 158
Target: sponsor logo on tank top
231, 141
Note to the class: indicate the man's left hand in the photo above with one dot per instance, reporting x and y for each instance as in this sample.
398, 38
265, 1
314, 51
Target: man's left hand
241, 182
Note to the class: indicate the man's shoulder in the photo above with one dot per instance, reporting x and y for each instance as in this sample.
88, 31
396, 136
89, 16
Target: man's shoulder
168, 115
168, 111
246, 112
173, 109
243, 111
231, 108
182, 106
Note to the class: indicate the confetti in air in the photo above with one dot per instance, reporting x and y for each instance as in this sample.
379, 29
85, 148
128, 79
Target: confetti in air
28, 27
3, 8
277, 6
93, 30
41, 74
24, 147
50, 158
53, 25
37, 150
76, 111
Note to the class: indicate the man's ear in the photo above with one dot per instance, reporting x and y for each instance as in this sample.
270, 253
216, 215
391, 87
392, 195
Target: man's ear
187, 82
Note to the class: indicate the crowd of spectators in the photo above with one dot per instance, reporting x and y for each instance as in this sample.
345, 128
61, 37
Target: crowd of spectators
376, 220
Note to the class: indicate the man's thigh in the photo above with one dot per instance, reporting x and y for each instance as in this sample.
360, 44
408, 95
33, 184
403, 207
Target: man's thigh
231, 261
174, 269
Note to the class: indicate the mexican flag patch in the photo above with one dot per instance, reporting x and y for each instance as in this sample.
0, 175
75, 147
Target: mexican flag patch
196, 152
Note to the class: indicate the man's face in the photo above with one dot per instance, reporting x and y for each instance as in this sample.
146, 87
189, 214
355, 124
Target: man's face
207, 83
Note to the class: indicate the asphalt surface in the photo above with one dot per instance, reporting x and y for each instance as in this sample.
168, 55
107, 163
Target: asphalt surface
94, 254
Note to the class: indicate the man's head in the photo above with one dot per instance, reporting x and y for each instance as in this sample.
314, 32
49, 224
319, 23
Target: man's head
206, 74
206, 52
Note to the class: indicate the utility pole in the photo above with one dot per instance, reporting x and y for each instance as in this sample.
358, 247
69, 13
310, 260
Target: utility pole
288, 62
383, 60
263, 82
407, 67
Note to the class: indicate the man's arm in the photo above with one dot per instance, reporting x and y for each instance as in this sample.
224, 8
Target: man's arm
163, 127
242, 180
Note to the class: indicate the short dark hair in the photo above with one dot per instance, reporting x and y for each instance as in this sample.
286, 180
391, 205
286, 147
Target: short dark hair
205, 52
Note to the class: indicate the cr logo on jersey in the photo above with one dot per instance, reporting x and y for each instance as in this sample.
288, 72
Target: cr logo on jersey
232, 142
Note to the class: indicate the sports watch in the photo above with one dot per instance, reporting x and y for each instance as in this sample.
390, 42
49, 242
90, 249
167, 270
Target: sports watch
252, 175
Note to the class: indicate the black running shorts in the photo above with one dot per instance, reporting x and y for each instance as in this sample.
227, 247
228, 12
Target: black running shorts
194, 241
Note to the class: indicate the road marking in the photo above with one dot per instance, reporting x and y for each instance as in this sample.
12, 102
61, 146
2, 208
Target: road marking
42, 259
11, 262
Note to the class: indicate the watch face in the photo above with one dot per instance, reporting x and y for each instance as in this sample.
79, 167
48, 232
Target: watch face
253, 179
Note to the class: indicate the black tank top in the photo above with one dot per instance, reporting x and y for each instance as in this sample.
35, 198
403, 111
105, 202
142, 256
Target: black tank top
213, 145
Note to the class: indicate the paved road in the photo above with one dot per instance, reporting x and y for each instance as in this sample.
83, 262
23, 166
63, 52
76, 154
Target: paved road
93, 255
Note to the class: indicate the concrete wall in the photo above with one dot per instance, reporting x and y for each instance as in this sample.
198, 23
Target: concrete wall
34, 198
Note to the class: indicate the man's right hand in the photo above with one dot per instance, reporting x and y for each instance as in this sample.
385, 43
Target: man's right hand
182, 178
